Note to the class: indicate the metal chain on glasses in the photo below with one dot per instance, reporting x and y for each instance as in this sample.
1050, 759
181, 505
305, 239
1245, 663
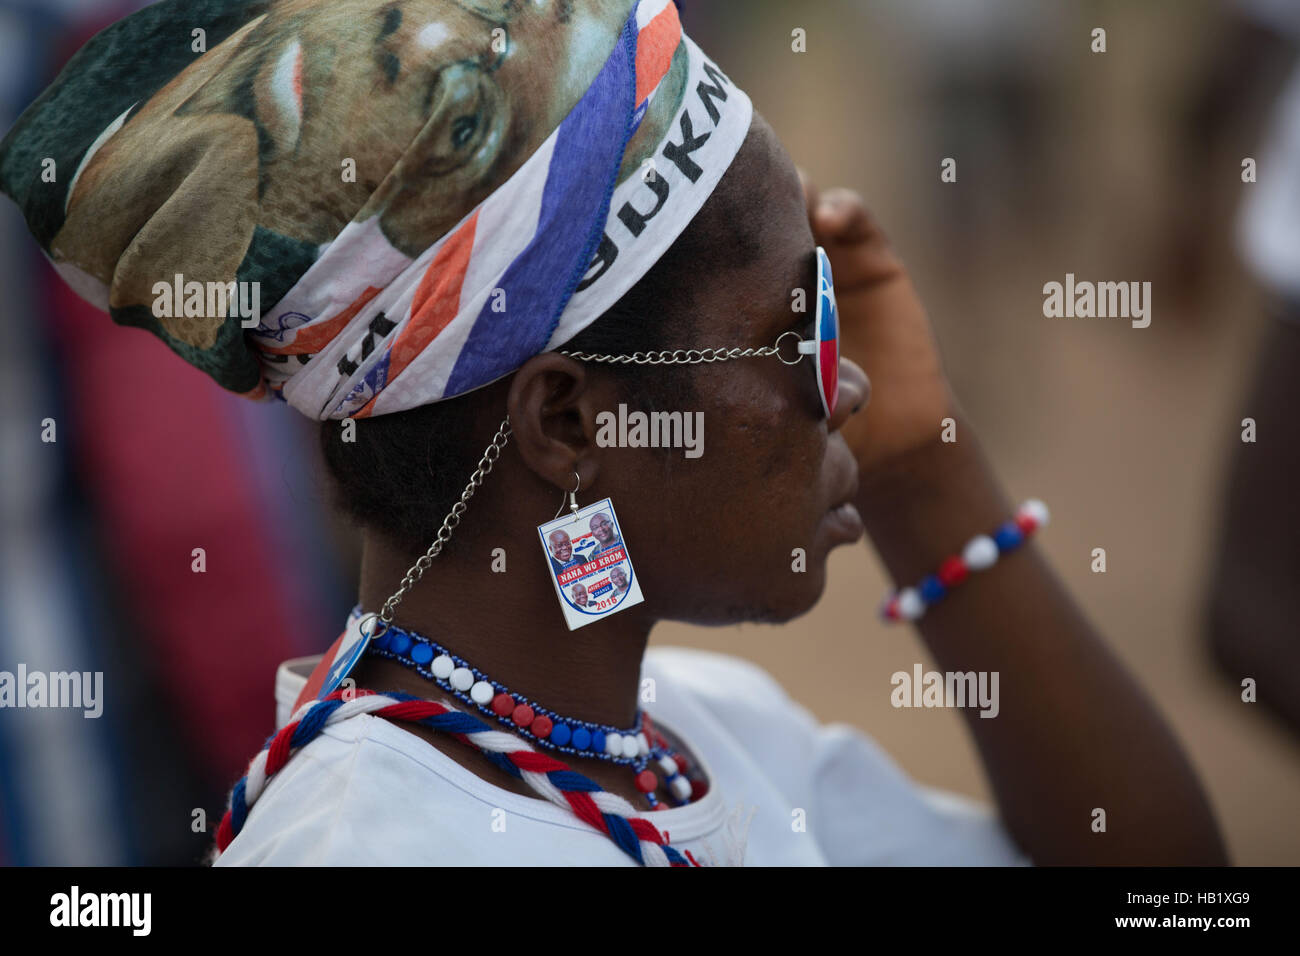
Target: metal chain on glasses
675, 357
449, 523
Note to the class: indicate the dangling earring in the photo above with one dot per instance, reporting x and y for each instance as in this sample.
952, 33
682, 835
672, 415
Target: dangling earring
587, 560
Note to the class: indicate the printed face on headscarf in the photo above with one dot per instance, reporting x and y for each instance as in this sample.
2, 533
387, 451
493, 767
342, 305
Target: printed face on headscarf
413, 196
321, 111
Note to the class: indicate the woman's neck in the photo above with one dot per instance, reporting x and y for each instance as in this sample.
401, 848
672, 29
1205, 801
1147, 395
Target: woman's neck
509, 626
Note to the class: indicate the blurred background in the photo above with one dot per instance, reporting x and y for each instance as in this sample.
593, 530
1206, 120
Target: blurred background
1122, 166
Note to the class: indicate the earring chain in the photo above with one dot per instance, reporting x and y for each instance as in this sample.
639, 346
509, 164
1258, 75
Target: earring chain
416, 572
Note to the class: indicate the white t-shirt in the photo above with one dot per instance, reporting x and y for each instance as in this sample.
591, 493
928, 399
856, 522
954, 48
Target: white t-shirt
785, 791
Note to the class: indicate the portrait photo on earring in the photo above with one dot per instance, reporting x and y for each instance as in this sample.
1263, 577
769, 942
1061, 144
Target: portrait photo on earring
589, 564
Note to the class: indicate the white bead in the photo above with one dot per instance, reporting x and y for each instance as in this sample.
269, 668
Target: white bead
482, 692
681, 788
442, 666
614, 745
910, 605
669, 765
631, 746
643, 743
462, 678
980, 553
1036, 510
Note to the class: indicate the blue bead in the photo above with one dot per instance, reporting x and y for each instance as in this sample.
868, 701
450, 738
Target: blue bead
422, 653
1008, 537
400, 644
598, 741
382, 640
560, 734
582, 738
932, 589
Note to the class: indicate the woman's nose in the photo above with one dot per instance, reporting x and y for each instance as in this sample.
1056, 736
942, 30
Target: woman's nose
854, 393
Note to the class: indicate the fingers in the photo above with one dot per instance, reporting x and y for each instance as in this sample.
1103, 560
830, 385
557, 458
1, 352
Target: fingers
838, 214
859, 250
841, 216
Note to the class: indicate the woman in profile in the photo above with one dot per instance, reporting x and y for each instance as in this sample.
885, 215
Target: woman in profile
551, 209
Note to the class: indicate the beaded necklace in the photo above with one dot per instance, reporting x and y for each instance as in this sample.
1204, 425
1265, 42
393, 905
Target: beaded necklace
639, 747
609, 813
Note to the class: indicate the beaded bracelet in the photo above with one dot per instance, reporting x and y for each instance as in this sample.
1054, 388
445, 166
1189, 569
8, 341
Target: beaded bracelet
980, 554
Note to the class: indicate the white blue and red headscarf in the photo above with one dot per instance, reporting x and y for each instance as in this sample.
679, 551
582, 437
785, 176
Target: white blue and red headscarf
425, 193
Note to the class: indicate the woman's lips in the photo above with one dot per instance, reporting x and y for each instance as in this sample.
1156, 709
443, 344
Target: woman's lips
845, 522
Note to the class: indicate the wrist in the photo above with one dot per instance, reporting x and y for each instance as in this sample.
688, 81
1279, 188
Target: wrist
922, 505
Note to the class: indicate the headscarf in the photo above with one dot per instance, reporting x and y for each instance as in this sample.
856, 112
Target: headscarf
361, 206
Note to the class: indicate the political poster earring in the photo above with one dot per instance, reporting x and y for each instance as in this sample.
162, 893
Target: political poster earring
588, 562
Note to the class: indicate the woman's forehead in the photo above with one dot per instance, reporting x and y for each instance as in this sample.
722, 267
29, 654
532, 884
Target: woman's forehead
766, 237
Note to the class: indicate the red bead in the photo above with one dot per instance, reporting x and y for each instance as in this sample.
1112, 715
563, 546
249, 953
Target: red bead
523, 715
698, 789
1026, 523
541, 726
890, 611
646, 781
503, 705
953, 571
681, 761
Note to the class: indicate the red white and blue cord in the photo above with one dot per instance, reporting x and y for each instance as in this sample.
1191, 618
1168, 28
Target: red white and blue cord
606, 812
638, 747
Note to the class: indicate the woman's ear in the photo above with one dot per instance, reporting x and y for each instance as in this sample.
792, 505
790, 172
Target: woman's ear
553, 407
